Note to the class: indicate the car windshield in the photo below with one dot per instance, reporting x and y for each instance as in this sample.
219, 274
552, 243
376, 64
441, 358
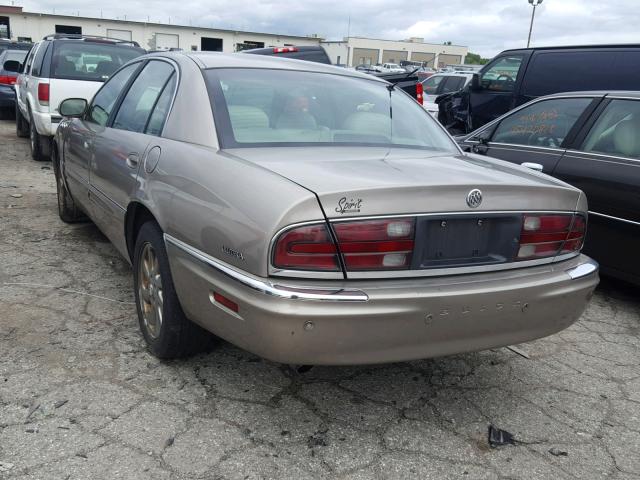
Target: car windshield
80, 60
268, 107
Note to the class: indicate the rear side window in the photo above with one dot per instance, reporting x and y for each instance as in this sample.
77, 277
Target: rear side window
453, 84
36, 69
142, 96
161, 110
570, 71
542, 124
80, 60
430, 85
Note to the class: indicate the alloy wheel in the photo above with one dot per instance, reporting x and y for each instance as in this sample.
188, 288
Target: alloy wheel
150, 290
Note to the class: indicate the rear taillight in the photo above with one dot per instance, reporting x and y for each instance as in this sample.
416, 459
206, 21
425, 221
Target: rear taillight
43, 93
8, 80
550, 235
376, 244
284, 49
364, 245
306, 248
420, 93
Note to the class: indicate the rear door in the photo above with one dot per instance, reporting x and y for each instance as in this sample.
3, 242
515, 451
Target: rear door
121, 147
23, 79
535, 133
605, 164
81, 132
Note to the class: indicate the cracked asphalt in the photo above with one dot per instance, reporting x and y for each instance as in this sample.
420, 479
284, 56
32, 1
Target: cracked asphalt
81, 398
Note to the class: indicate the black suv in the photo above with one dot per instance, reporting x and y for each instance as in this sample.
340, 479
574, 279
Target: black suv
515, 77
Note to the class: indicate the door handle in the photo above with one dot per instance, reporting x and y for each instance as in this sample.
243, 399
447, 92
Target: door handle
533, 166
132, 160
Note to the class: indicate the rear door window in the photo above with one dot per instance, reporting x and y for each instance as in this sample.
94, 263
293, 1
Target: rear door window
104, 101
616, 132
81, 60
501, 75
542, 124
141, 98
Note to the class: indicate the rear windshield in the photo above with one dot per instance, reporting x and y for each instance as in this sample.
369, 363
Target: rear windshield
280, 107
79, 60
16, 55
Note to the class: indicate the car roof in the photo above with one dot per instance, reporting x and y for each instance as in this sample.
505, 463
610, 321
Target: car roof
598, 93
207, 60
574, 47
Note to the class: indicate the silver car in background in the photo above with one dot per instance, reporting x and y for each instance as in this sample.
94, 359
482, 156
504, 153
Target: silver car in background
314, 215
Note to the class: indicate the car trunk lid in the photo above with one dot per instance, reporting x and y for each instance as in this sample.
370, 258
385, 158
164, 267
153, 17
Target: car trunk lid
355, 182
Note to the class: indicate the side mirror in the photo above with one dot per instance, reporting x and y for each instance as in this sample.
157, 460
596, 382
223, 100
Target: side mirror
12, 66
72, 107
475, 83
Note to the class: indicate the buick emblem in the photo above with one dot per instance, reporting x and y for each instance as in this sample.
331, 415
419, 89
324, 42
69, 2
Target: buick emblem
474, 198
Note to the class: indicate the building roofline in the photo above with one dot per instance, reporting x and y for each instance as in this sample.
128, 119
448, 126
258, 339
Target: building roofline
191, 27
407, 41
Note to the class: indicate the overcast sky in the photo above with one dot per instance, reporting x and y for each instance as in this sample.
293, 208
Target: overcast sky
486, 26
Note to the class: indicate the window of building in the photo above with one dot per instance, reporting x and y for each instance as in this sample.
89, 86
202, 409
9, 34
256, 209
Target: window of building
69, 29
208, 44
125, 35
246, 45
5, 31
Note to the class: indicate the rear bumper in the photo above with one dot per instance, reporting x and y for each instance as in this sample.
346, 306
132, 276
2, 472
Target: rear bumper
7, 97
46, 124
375, 321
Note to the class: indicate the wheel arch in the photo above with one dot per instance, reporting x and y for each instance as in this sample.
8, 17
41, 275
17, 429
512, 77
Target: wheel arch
137, 215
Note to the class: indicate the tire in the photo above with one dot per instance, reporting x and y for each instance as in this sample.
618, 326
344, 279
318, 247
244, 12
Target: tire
67, 209
35, 142
22, 127
167, 331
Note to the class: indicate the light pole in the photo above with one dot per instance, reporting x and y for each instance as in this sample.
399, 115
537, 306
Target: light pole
535, 3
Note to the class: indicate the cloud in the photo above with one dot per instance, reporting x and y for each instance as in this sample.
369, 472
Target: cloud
487, 26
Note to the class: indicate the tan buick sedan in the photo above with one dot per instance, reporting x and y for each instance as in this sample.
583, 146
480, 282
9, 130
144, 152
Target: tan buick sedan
314, 215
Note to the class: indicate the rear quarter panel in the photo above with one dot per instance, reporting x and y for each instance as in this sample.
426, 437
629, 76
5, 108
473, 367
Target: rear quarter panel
210, 200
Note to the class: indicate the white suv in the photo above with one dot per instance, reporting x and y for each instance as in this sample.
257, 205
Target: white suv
59, 67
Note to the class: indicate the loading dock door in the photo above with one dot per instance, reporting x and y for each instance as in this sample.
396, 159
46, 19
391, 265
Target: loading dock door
426, 58
167, 41
366, 56
208, 44
393, 56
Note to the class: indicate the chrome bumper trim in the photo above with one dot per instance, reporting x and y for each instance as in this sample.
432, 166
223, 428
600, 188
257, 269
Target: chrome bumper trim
583, 270
268, 288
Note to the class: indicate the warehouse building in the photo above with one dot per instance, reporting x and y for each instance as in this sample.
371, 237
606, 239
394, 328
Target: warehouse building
19, 25
353, 51
28, 26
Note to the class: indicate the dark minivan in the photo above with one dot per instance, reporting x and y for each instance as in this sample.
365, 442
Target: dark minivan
515, 77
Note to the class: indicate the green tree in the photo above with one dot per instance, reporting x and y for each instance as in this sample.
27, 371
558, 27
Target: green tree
475, 59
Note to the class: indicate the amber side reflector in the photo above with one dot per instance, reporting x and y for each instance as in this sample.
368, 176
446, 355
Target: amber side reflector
226, 302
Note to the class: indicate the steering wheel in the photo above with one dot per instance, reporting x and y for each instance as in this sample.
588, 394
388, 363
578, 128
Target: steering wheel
504, 77
547, 140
